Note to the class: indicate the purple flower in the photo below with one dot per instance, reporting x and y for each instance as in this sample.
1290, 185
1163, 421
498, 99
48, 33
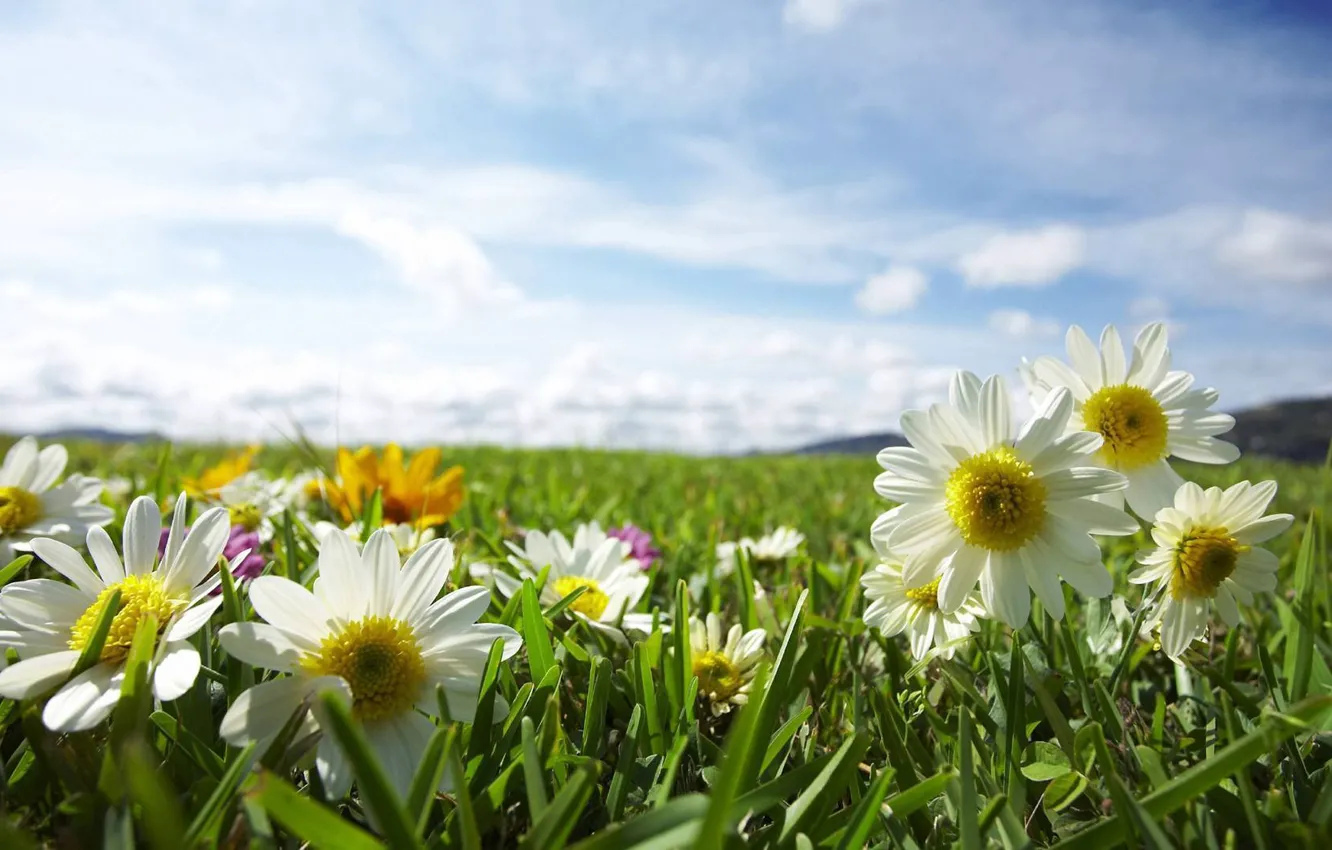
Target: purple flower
640, 543
238, 541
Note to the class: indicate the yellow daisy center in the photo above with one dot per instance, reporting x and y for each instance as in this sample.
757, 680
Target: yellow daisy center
1204, 558
995, 500
140, 595
247, 516
19, 509
718, 677
380, 660
1131, 421
926, 596
592, 604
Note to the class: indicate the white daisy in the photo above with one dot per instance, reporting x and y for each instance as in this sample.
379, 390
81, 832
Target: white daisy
979, 504
252, 501
770, 549
614, 581
896, 608
300, 490
1145, 412
1206, 553
725, 668
31, 506
373, 631
406, 537
55, 620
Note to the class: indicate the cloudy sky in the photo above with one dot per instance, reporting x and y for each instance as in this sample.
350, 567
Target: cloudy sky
697, 225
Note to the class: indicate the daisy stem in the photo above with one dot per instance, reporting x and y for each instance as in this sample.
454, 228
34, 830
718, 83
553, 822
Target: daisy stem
1130, 641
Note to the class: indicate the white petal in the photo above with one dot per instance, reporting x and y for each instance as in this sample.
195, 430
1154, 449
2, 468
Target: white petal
1172, 388
1151, 356
399, 743
69, 564
1056, 373
964, 393
1095, 517
193, 619
1082, 481
260, 712
1245, 502
425, 572
1113, 368
1004, 590
290, 607
33, 677
1226, 607
995, 419
1203, 449
44, 604
143, 531
19, 462
199, 554
380, 565
1152, 488
341, 584
1044, 580
46, 471
960, 577
1089, 579
105, 556
264, 646
176, 671
1262, 529
1084, 356
86, 701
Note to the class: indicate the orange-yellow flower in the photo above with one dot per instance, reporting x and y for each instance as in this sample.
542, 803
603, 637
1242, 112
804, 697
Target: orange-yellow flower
223, 472
411, 493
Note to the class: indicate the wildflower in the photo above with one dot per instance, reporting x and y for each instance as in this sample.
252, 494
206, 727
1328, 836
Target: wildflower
55, 620
979, 504
612, 582
896, 608
209, 482
411, 493
725, 668
769, 550
405, 537
372, 631
252, 501
640, 544
1206, 553
31, 505
1144, 412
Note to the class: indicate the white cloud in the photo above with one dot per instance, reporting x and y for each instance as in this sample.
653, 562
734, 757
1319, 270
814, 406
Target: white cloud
1273, 247
1027, 258
893, 291
1149, 308
814, 15
1020, 324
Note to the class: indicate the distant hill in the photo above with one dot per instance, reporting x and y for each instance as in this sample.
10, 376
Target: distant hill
1297, 430
100, 435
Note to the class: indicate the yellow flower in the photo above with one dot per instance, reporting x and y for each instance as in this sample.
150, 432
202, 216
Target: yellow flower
223, 472
411, 492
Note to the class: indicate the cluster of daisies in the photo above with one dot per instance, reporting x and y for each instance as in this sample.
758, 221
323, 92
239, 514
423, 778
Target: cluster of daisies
989, 514
372, 626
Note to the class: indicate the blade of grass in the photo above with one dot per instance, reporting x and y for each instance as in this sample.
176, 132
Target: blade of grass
317, 825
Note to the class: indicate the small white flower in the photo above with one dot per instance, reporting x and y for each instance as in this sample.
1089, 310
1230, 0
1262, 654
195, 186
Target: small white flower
299, 491
896, 608
31, 505
771, 548
372, 631
981, 503
725, 668
1144, 412
614, 581
1207, 553
54, 621
407, 538
252, 501
118, 487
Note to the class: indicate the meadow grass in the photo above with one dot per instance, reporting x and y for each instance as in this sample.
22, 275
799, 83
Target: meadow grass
1072, 733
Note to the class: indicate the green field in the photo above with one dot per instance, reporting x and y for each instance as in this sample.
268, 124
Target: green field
845, 742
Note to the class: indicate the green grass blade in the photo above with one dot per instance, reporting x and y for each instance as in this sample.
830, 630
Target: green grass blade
314, 824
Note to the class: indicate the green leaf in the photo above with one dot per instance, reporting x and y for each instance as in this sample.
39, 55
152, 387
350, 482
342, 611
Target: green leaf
536, 638
1064, 791
552, 829
1043, 761
740, 743
313, 823
594, 718
818, 797
673, 825
429, 775
371, 780
532, 771
160, 812
209, 817
867, 814
14, 568
92, 650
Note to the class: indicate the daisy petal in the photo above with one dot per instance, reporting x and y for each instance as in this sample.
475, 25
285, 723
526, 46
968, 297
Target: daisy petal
176, 671
86, 701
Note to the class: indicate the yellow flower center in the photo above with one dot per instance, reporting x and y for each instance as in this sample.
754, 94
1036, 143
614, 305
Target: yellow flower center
592, 604
718, 677
19, 509
926, 596
380, 660
995, 500
140, 595
1131, 421
247, 516
1204, 558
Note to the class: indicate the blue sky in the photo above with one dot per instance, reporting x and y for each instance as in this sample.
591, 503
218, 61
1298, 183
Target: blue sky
683, 225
